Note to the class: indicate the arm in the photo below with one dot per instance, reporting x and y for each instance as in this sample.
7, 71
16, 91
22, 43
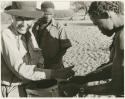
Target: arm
118, 64
14, 60
25, 72
100, 73
15, 63
35, 52
63, 41
35, 27
116, 86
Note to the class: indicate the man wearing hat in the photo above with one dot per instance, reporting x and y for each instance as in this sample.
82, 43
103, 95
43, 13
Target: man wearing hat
20, 53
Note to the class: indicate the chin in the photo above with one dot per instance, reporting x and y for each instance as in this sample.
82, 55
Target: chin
22, 32
109, 34
47, 21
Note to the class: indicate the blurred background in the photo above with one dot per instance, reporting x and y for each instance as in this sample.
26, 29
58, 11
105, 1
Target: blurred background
64, 10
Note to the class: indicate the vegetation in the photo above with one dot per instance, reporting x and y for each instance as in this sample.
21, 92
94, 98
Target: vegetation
81, 6
63, 14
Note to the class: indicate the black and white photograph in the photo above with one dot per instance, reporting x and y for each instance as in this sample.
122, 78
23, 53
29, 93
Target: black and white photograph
66, 48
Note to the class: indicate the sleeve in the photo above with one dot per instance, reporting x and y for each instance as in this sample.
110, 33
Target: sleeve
64, 40
121, 41
118, 64
35, 51
14, 61
35, 29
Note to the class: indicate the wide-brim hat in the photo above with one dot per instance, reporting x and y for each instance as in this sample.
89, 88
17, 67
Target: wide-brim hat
24, 9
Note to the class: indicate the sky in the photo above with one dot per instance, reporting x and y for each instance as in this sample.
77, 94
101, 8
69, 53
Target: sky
59, 5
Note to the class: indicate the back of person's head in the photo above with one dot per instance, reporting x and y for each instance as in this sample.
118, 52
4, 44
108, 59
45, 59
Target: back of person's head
47, 4
99, 8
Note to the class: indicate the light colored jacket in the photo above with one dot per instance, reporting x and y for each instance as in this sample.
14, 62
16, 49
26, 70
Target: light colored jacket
14, 69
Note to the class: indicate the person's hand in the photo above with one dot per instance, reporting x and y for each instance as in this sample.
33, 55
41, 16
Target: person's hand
40, 65
77, 79
69, 89
63, 73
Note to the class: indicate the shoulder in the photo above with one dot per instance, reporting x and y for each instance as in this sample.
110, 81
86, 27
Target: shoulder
58, 25
37, 24
121, 35
7, 33
121, 39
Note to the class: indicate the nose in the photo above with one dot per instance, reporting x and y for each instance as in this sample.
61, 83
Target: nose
47, 16
26, 23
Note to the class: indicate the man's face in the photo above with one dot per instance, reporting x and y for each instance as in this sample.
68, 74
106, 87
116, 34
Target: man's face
22, 24
106, 25
48, 14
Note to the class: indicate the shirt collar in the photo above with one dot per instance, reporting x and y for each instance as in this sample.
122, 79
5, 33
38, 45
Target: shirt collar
53, 22
12, 28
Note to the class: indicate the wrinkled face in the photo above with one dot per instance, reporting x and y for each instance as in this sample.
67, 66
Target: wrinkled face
106, 25
48, 14
22, 24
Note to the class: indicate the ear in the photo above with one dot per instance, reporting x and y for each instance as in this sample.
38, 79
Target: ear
111, 14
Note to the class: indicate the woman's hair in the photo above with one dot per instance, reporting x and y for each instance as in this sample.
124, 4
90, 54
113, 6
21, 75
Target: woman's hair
98, 8
47, 4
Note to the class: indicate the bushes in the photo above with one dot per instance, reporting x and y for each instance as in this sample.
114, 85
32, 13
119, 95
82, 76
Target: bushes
60, 14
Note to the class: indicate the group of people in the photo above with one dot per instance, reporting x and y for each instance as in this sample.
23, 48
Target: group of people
39, 42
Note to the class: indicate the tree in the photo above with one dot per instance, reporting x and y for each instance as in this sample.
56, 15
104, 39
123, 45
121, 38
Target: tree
81, 5
5, 18
4, 4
